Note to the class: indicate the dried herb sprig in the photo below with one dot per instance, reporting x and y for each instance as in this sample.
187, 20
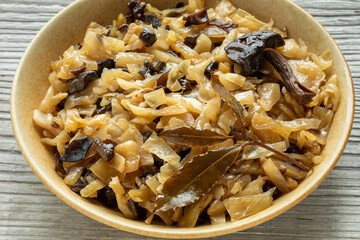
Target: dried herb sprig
226, 95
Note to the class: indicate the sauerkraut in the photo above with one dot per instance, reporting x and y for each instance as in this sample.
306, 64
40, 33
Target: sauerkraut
136, 122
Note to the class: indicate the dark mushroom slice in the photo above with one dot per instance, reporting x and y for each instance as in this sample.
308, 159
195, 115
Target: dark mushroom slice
139, 212
129, 18
107, 196
186, 84
302, 94
210, 69
248, 49
103, 109
147, 36
137, 10
80, 184
158, 66
145, 69
123, 30
105, 151
76, 150
82, 81
166, 90
59, 169
190, 40
77, 71
60, 106
152, 19
107, 63
97, 103
162, 79
200, 17
226, 26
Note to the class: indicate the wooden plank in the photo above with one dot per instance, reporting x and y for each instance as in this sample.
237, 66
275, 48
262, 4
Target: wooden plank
28, 210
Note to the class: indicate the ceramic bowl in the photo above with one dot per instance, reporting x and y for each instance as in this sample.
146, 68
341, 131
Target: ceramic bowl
68, 28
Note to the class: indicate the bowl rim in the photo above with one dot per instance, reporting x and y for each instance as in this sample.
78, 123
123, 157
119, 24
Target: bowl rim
176, 232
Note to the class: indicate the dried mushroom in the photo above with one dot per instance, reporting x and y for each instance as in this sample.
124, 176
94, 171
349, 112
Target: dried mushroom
186, 84
226, 26
107, 63
136, 10
158, 66
152, 19
147, 36
145, 69
77, 149
105, 151
162, 79
302, 94
77, 71
148, 68
107, 196
200, 17
102, 109
137, 210
80, 184
82, 81
58, 165
190, 40
248, 49
210, 69
123, 28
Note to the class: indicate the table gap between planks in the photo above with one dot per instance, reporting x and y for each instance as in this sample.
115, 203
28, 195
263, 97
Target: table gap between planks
28, 210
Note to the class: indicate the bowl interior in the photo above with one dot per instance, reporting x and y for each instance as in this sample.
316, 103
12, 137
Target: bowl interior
68, 28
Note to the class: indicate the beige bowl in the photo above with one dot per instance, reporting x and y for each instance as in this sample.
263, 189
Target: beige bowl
68, 28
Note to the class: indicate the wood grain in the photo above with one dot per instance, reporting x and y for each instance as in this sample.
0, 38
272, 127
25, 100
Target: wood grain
28, 210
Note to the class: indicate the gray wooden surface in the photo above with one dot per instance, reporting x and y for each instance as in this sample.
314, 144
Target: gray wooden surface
28, 210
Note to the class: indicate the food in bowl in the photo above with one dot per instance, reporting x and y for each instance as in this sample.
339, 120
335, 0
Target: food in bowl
187, 115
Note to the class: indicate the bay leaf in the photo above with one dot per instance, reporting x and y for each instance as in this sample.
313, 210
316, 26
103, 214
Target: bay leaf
190, 136
229, 98
196, 177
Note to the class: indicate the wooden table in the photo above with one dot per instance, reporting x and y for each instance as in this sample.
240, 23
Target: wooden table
28, 210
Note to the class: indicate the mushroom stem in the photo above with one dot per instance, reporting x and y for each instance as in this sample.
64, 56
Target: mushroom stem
302, 94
